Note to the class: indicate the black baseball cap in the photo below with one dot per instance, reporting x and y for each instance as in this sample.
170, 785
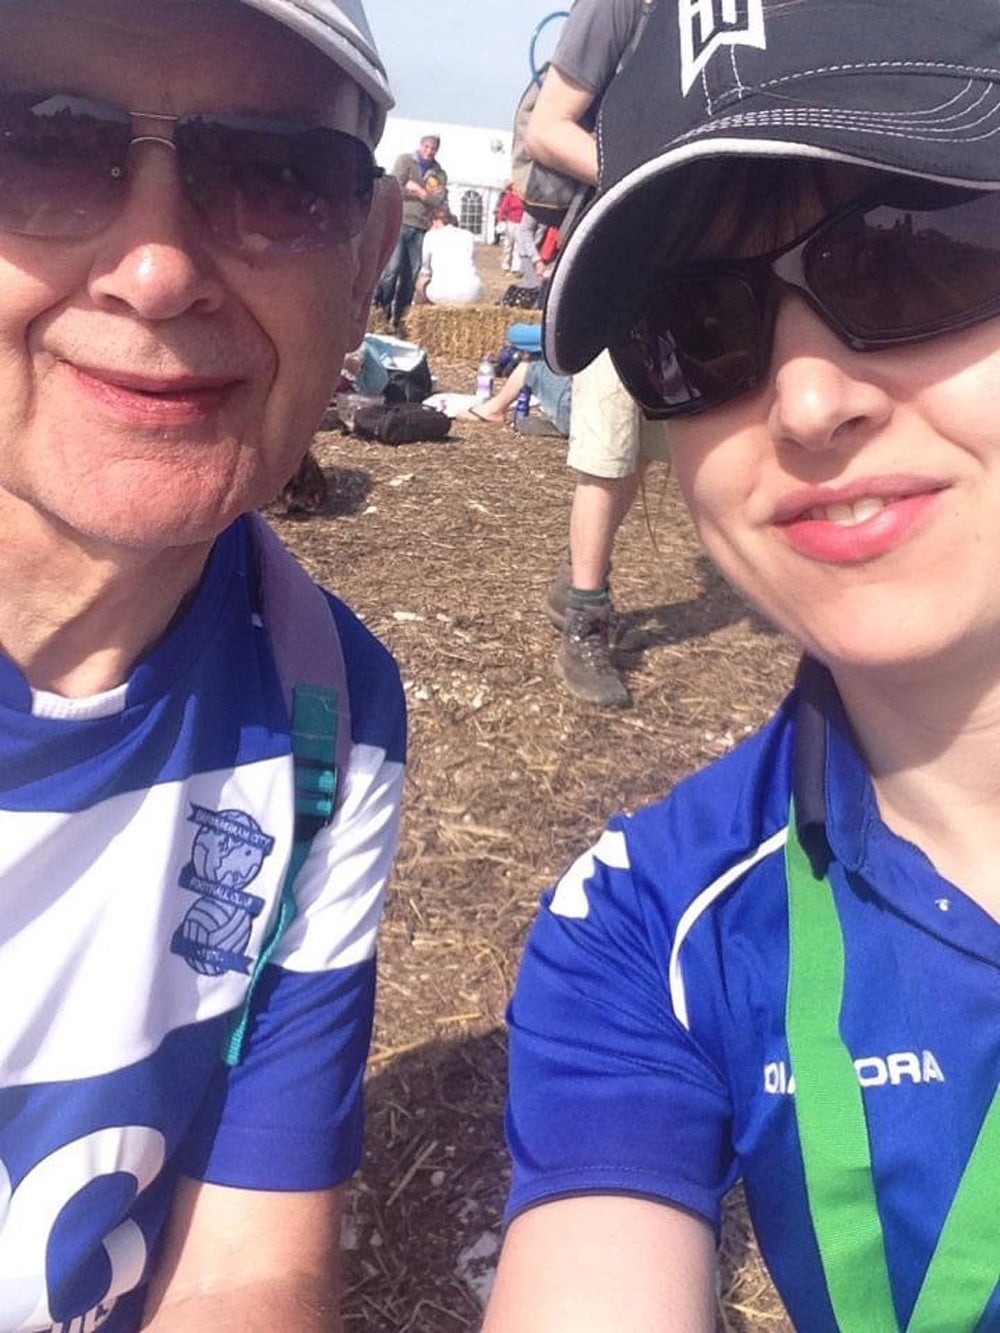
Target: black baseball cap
910, 86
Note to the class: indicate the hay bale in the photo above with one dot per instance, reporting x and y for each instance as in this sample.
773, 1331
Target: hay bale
464, 332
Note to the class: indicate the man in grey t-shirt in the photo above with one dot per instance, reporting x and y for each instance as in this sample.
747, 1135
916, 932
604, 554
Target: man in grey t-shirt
424, 183
590, 49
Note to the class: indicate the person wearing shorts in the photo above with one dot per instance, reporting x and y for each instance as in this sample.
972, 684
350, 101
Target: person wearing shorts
610, 446
609, 436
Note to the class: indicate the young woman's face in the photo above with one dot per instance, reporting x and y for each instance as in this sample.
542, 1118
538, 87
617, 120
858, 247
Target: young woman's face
855, 497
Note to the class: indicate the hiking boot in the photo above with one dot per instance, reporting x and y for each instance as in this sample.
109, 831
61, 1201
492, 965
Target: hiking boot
557, 605
584, 658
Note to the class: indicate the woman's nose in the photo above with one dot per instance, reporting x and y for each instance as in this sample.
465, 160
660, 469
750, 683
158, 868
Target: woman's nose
823, 392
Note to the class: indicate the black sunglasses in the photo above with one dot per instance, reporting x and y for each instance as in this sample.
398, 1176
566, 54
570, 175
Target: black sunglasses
258, 185
882, 272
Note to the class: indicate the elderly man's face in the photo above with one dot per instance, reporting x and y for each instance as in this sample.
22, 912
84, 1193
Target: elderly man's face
428, 149
153, 384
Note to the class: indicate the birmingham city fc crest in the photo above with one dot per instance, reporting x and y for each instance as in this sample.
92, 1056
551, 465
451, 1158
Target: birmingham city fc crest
226, 855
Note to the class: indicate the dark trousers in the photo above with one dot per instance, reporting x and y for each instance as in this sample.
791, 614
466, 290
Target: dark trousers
396, 286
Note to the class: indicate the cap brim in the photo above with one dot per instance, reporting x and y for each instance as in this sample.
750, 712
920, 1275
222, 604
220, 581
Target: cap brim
345, 40
604, 270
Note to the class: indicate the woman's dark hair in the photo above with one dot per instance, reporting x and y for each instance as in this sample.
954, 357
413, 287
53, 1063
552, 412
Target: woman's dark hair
442, 213
740, 205
734, 206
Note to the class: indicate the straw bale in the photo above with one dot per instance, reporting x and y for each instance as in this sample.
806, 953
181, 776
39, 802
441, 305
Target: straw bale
464, 332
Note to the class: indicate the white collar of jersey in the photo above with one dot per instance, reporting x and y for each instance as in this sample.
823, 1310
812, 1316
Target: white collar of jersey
105, 704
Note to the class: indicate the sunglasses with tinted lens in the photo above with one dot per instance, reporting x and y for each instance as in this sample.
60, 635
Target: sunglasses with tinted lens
258, 185
881, 273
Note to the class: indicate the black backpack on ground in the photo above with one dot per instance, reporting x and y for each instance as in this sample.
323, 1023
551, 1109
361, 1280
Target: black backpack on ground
404, 423
409, 386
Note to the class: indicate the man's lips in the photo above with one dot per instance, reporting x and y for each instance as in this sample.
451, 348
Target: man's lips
859, 522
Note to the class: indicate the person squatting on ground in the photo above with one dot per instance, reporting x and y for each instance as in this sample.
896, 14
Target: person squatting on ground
787, 971
448, 263
190, 232
610, 442
424, 183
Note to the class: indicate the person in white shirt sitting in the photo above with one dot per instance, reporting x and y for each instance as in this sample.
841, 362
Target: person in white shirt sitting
447, 269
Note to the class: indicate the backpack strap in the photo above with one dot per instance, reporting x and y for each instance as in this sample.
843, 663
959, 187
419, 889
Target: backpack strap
301, 627
310, 664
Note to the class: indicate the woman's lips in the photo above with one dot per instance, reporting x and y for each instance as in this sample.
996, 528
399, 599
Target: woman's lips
154, 400
862, 524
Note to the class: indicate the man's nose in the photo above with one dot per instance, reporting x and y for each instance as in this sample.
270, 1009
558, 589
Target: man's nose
153, 258
824, 394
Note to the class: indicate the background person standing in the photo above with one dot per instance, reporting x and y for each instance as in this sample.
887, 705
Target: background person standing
510, 211
530, 234
424, 183
610, 442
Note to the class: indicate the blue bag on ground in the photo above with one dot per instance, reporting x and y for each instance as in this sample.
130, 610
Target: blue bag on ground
393, 369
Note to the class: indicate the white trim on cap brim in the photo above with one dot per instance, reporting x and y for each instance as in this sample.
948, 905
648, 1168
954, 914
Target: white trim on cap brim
347, 45
565, 273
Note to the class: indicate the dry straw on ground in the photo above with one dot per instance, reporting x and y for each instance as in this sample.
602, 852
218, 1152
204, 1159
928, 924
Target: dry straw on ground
446, 549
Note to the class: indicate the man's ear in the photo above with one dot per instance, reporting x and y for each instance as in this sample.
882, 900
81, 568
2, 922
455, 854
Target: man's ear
374, 247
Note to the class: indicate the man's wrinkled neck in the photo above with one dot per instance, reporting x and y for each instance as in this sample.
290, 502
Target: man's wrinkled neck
76, 614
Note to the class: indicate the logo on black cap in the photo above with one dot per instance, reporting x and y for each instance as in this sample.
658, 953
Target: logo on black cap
708, 24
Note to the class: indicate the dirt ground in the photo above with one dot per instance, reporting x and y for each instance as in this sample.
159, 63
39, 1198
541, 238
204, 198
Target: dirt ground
446, 550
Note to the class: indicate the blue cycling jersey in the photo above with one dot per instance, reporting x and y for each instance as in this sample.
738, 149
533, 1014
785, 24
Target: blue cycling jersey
648, 1047
145, 834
